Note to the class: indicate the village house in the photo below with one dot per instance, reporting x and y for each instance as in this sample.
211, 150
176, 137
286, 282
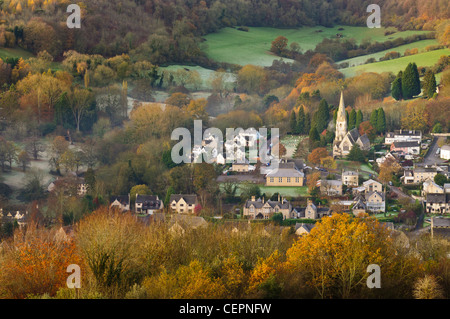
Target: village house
406, 148
311, 211
344, 139
259, 209
242, 167
13, 217
375, 202
430, 187
350, 178
359, 205
372, 186
437, 203
287, 174
421, 174
445, 152
403, 136
440, 227
179, 224
389, 156
303, 228
183, 203
331, 187
121, 202
148, 204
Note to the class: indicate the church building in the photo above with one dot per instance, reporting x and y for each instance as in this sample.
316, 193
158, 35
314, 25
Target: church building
344, 139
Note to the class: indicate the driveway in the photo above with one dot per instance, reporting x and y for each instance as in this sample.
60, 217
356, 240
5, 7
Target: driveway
431, 157
400, 194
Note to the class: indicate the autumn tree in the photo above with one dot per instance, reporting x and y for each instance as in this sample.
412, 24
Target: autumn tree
24, 160
328, 162
312, 180
58, 147
317, 155
251, 79
178, 99
80, 100
36, 263
415, 116
34, 147
335, 255
112, 262
279, 45
387, 169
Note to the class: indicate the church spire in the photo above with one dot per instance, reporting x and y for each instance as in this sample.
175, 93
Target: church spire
341, 121
341, 111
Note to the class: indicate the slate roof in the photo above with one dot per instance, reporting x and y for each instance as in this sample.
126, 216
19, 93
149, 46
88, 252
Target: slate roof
364, 139
123, 199
353, 135
349, 173
259, 204
441, 222
189, 199
148, 201
438, 198
406, 144
306, 226
286, 172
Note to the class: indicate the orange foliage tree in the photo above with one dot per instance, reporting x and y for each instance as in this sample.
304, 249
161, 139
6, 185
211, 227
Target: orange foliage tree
317, 154
36, 263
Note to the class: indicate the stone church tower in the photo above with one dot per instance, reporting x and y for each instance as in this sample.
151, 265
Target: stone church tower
341, 122
344, 139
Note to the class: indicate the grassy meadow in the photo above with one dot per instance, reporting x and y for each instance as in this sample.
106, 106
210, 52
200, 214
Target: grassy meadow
395, 65
420, 45
252, 47
15, 53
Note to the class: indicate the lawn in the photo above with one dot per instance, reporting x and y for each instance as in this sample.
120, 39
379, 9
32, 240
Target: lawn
205, 74
252, 47
283, 191
421, 59
364, 169
15, 53
420, 45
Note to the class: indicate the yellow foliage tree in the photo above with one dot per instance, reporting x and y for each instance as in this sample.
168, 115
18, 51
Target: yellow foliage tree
336, 253
188, 282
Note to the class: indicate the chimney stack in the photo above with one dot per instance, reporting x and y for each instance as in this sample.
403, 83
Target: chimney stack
253, 198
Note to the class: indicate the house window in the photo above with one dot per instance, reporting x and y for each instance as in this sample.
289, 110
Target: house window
280, 179
252, 209
297, 179
288, 179
271, 179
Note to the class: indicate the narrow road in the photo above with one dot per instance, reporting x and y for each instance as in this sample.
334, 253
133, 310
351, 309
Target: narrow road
431, 157
400, 194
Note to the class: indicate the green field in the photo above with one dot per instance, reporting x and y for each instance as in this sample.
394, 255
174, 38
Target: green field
421, 59
420, 45
240, 47
205, 74
14, 53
